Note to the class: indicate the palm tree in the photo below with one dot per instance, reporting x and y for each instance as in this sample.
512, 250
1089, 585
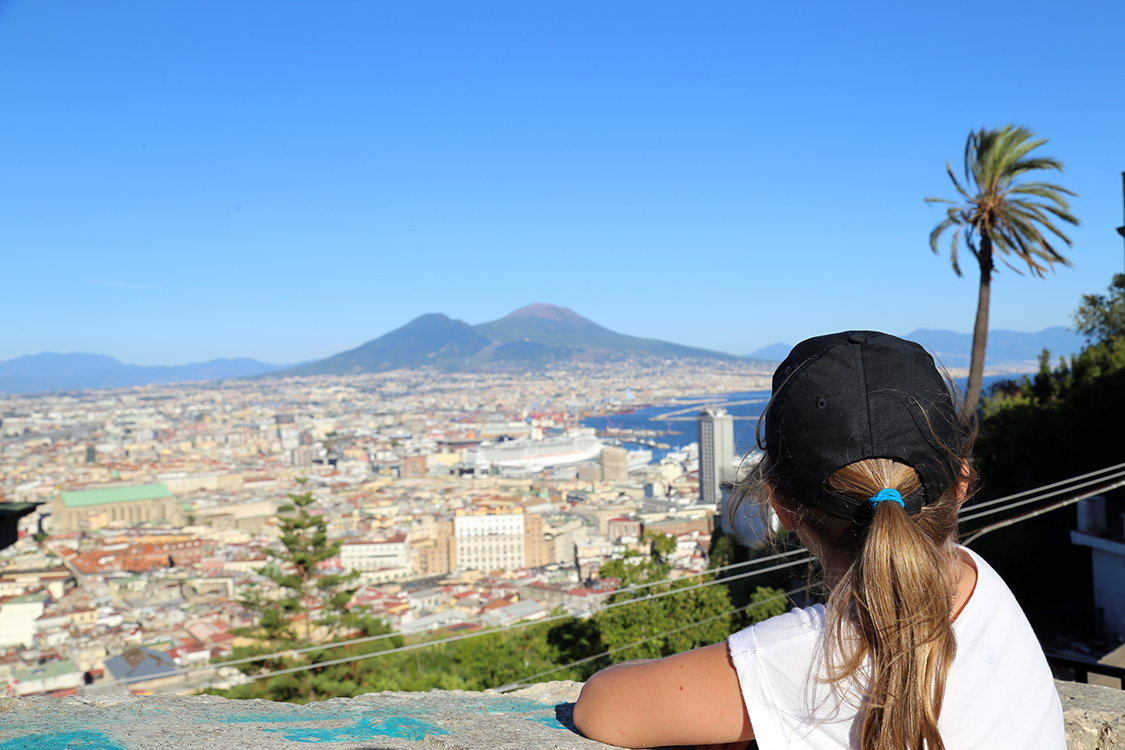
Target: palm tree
1002, 218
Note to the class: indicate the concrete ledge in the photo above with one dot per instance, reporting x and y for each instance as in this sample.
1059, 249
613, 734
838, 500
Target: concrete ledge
538, 717
1095, 716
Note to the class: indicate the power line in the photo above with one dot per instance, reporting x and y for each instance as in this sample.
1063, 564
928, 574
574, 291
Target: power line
803, 560
1006, 498
382, 636
528, 680
975, 535
631, 589
452, 639
515, 626
369, 639
1039, 511
1070, 488
709, 571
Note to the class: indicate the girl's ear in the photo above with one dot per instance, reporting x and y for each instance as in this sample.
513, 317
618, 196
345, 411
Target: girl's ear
787, 517
962, 484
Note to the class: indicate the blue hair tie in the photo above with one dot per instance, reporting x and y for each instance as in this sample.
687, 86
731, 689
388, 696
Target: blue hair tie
888, 494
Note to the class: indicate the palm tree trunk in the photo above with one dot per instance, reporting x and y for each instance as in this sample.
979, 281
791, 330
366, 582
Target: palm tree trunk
980, 330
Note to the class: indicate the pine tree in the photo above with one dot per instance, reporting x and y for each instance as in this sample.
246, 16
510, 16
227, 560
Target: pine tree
305, 590
308, 607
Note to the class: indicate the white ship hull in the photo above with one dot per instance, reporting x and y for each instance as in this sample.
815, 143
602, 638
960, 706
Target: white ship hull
536, 455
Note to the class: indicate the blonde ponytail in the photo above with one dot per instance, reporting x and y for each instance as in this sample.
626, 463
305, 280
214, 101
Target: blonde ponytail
897, 597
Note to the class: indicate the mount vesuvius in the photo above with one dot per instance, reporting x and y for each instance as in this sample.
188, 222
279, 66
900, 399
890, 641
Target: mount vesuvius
531, 336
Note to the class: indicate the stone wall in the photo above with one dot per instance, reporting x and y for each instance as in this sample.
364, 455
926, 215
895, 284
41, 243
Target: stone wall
538, 717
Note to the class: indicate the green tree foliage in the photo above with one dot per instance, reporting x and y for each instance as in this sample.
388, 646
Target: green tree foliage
1101, 317
1063, 422
655, 620
649, 619
307, 607
352, 678
1000, 216
755, 591
654, 626
484, 661
304, 588
487, 660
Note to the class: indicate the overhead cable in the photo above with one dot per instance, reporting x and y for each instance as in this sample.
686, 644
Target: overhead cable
514, 626
1113, 475
1006, 498
531, 678
1038, 512
1104, 484
383, 636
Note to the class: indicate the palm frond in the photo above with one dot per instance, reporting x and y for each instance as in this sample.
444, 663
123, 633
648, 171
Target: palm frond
953, 251
1033, 246
1011, 247
1016, 149
936, 234
1065, 216
1012, 214
1031, 165
1043, 190
1033, 212
1047, 186
1055, 254
956, 184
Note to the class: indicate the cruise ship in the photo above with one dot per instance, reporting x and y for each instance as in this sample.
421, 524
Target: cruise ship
535, 455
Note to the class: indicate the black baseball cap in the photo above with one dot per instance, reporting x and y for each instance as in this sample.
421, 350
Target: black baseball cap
850, 396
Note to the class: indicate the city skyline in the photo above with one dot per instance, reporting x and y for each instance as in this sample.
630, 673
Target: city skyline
284, 183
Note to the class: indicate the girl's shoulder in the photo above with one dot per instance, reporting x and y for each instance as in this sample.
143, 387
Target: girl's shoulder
800, 628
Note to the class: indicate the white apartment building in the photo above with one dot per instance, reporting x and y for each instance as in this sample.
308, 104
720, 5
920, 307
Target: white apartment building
390, 553
17, 619
489, 541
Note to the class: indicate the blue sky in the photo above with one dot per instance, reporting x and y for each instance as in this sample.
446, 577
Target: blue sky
282, 180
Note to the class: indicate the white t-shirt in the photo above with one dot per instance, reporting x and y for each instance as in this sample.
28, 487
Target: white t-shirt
999, 692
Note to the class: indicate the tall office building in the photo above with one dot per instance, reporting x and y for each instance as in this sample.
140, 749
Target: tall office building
715, 431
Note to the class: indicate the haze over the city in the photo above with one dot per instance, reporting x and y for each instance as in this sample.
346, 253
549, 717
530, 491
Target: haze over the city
285, 182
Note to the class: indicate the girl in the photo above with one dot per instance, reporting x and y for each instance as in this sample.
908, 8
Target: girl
920, 645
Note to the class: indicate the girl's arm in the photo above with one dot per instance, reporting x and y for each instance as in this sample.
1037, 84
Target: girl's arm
691, 698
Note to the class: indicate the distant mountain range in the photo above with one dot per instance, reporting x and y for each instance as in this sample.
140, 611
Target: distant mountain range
530, 337
1007, 350
74, 372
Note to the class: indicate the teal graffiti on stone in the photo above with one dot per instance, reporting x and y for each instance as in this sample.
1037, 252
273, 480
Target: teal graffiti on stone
402, 727
518, 706
550, 721
368, 726
61, 741
405, 722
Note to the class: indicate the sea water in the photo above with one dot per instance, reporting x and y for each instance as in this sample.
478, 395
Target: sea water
679, 415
